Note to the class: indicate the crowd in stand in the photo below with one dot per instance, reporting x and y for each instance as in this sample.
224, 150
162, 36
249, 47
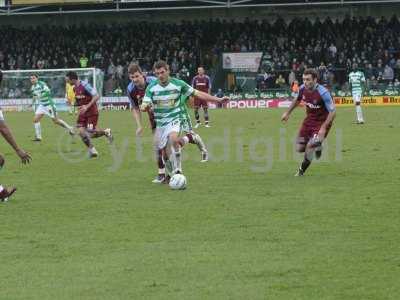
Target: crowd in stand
332, 46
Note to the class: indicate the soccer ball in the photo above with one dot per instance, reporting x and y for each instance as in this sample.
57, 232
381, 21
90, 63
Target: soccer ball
177, 182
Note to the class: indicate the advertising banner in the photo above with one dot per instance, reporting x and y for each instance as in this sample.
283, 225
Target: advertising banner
368, 101
244, 61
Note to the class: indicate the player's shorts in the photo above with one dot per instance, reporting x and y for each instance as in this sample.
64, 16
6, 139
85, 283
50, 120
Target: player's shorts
88, 122
356, 98
200, 103
308, 131
1, 115
48, 110
162, 133
186, 126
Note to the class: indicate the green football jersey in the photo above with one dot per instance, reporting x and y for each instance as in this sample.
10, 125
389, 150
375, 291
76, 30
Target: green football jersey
356, 80
41, 92
169, 101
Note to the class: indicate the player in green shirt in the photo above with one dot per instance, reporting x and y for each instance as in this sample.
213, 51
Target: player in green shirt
357, 82
44, 105
168, 97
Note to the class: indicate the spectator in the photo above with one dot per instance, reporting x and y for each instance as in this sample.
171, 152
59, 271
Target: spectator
388, 74
83, 61
280, 81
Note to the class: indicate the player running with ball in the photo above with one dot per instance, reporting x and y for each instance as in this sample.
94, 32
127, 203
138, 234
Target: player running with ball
320, 111
168, 97
136, 91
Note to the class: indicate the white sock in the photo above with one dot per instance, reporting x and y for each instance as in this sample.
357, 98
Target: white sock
359, 113
168, 167
185, 140
161, 171
176, 160
38, 130
64, 124
1, 188
199, 142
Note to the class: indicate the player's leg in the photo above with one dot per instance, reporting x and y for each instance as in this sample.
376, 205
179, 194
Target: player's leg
168, 165
36, 124
161, 158
357, 102
58, 121
196, 112
160, 142
311, 145
160, 178
206, 116
309, 154
176, 152
6, 193
98, 132
194, 138
84, 132
85, 136
301, 143
197, 117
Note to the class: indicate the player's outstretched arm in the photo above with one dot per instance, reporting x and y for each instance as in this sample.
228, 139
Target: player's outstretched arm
286, 114
8, 136
329, 120
137, 116
209, 98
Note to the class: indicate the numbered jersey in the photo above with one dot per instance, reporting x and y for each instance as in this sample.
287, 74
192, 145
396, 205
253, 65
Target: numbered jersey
168, 101
356, 80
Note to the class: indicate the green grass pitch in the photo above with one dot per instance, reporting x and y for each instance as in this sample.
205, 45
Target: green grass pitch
245, 228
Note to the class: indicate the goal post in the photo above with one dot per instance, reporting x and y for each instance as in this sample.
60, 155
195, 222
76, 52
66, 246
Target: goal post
15, 88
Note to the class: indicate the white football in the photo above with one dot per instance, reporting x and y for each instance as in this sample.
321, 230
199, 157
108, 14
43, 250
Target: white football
177, 182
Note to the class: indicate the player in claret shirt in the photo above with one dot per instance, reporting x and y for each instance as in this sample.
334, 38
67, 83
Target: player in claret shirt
86, 100
320, 113
201, 82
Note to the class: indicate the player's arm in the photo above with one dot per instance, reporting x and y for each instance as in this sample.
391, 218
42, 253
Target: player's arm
209, 85
137, 115
95, 98
363, 84
209, 98
330, 107
147, 101
8, 136
293, 105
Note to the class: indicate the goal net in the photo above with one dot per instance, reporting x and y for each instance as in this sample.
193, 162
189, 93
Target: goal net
15, 89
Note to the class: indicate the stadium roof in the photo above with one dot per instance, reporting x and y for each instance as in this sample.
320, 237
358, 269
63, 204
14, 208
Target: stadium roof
26, 7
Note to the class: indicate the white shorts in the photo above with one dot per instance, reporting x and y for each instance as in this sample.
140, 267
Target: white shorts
357, 98
1, 115
162, 133
46, 110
